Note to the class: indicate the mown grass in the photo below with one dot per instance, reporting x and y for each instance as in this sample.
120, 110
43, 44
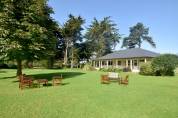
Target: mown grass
82, 96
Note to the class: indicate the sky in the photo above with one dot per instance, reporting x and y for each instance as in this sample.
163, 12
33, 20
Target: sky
161, 16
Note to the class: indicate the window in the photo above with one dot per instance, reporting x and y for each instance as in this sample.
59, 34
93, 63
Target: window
128, 62
142, 60
103, 62
119, 63
109, 63
135, 62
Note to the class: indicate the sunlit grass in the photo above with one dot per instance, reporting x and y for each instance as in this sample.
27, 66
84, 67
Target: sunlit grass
82, 96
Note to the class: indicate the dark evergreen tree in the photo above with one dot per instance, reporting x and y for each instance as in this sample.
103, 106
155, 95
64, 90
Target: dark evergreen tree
138, 34
102, 36
71, 33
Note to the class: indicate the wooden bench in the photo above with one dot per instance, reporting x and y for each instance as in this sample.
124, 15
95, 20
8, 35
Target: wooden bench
42, 81
113, 76
56, 80
125, 80
25, 81
104, 79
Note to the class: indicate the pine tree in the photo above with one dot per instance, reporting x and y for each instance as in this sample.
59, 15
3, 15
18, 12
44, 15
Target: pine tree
138, 34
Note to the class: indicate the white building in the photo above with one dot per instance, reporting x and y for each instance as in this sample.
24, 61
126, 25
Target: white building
129, 58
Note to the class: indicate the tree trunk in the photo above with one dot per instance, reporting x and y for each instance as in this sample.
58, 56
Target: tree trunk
72, 60
19, 67
66, 54
139, 44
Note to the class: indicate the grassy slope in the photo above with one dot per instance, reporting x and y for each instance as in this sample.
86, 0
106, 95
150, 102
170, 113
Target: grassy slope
82, 96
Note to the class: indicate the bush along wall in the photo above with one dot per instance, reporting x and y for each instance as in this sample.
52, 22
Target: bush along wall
111, 69
164, 65
146, 69
88, 67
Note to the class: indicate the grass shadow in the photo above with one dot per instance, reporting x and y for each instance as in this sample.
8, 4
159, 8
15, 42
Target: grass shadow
36, 85
2, 71
49, 76
12, 77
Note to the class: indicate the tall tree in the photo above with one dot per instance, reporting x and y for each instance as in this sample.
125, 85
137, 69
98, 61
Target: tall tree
84, 51
71, 32
23, 33
103, 36
138, 34
53, 34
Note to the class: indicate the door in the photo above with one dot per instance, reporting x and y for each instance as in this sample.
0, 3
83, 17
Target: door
135, 65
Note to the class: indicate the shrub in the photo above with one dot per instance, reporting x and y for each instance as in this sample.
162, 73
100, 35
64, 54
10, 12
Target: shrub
88, 67
146, 69
58, 64
8, 65
126, 69
111, 69
103, 69
40, 64
3, 66
12, 66
164, 64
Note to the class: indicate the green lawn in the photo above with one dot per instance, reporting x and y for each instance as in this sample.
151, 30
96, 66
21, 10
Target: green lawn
82, 96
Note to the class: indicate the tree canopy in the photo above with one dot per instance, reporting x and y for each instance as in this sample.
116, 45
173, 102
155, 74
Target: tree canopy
26, 30
71, 32
138, 34
103, 36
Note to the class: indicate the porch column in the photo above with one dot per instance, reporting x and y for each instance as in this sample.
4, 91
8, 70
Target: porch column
101, 64
116, 63
131, 64
145, 60
107, 63
126, 63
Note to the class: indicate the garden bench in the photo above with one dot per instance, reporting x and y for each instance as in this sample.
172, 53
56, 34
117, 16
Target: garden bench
113, 76
42, 81
25, 81
56, 80
124, 81
104, 79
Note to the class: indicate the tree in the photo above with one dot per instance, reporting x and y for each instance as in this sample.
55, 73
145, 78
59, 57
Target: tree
53, 34
138, 34
103, 36
83, 51
23, 34
60, 48
71, 32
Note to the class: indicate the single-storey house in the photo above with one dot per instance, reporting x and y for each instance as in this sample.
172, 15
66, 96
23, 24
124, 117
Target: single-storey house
129, 58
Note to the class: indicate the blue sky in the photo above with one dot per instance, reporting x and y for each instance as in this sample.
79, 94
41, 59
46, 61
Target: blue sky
159, 15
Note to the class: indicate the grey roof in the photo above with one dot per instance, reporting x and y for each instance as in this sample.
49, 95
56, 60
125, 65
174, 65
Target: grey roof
130, 53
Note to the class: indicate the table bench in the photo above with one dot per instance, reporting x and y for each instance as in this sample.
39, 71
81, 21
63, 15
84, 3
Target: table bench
42, 81
57, 80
